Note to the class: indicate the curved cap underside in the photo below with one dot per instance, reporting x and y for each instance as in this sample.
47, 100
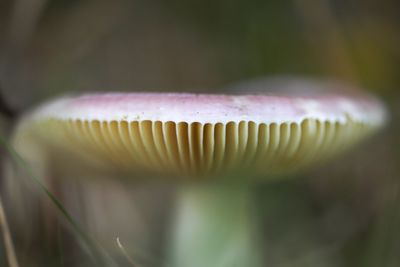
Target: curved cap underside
192, 134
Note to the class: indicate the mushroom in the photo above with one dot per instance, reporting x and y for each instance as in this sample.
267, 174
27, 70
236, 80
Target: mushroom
201, 139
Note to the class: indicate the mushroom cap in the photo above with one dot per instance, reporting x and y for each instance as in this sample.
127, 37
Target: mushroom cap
195, 135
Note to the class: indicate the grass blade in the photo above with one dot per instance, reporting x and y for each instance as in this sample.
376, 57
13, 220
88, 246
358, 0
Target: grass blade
95, 251
8, 243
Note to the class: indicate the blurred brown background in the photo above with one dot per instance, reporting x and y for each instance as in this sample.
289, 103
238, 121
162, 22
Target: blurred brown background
346, 213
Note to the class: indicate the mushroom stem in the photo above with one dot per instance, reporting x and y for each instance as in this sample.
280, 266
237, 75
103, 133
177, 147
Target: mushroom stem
214, 227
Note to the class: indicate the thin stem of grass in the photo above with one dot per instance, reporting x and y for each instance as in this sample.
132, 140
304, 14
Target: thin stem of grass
129, 258
8, 243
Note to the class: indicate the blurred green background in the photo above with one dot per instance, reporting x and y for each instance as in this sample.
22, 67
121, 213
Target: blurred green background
346, 213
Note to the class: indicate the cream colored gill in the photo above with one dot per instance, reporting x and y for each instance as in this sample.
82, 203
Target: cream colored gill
201, 149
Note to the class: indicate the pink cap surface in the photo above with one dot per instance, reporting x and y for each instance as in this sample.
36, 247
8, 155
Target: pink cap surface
213, 108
